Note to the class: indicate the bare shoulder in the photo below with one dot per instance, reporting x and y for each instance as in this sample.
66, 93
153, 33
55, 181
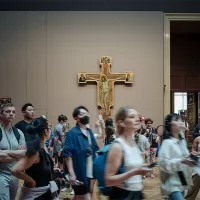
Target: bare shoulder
116, 149
197, 139
33, 158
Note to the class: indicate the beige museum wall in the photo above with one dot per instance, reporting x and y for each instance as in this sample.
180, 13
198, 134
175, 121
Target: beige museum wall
42, 52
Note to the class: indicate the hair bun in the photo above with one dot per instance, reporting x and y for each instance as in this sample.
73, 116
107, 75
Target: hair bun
30, 129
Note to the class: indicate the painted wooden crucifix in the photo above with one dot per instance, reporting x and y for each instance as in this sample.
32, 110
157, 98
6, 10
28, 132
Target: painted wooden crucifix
105, 84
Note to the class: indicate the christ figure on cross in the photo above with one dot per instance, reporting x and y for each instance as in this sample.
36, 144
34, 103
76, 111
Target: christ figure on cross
105, 84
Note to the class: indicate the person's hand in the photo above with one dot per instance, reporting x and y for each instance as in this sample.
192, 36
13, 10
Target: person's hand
55, 168
188, 161
97, 123
50, 149
72, 179
102, 123
59, 153
21, 147
143, 170
30, 184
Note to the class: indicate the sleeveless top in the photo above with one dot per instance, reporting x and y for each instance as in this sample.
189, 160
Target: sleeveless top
41, 172
132, 158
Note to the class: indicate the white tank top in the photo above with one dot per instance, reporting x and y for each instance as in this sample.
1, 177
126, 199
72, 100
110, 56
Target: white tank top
132, 158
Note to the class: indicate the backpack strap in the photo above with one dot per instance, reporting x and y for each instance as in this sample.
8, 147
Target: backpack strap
121, 169
16, 133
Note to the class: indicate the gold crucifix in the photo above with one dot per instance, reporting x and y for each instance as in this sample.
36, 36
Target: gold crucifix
105, 84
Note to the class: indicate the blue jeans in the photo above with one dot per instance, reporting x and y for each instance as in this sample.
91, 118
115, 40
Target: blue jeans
176, 196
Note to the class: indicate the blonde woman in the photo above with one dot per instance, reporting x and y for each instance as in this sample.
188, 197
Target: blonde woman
127, 185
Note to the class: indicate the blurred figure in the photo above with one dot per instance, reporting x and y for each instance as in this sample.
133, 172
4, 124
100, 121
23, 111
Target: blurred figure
128, 122
110, 135
152, 136
79, 152
36, 167
174, 161
185, 131
194, 190
58, 139
49, 143
12, 148
142, 143
196, 132
29, 114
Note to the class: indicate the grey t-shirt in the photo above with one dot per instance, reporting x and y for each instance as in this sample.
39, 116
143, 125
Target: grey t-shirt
57, 133
9, 142
143, 143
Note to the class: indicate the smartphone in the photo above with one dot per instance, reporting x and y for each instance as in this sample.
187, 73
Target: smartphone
195, 158
152, 165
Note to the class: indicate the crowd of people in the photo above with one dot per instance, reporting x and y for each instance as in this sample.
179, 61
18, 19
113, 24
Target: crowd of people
50, 159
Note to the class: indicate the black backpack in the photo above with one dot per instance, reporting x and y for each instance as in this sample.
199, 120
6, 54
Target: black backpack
16, 133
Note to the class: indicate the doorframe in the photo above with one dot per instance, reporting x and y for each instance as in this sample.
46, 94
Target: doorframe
168, 17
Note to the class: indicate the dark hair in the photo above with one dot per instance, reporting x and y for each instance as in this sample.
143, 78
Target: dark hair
6, 105
167, 132
148, 120
25, 106
77, 110
109, 122
34, 134
62, 118
109, 131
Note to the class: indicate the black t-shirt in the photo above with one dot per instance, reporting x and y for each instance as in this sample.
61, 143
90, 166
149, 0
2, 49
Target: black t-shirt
22, 125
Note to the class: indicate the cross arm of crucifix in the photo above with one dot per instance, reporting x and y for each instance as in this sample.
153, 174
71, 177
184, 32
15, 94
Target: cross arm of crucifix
92, 77
118, 77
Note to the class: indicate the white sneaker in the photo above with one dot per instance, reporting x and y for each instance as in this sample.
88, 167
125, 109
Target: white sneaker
72, 192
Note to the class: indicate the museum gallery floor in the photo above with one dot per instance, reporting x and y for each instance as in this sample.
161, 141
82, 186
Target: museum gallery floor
151, 190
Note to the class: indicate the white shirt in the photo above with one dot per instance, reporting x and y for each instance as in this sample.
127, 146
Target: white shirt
89, 161
132, 159
171, 153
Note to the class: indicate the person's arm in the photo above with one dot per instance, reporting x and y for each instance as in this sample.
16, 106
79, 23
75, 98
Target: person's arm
158, 139
147, 144
67, 154
114, 161
196, 132
18, 154
23, 164
50, 143
4, 156
11, 155
166, 161
100, 124
70, 168
195, 145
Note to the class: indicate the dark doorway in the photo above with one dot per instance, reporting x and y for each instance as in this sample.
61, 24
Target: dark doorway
185, 69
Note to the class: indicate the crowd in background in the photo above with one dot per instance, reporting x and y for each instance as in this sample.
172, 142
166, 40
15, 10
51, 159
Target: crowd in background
53, 159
